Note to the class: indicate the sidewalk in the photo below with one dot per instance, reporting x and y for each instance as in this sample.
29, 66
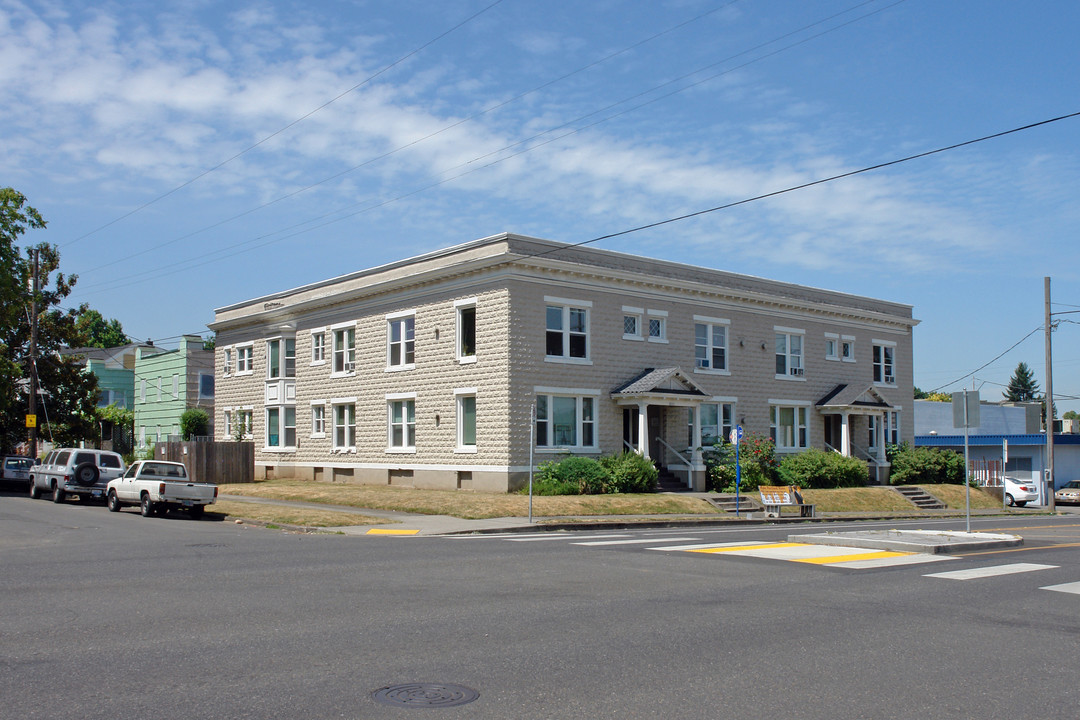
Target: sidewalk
403, 523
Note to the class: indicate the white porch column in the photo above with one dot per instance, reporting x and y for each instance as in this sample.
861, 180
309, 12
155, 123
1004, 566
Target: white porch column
643, 430
845, 433
695, 445
879, 439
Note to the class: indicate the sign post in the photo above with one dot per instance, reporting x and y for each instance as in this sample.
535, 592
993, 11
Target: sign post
965, 407
736, 438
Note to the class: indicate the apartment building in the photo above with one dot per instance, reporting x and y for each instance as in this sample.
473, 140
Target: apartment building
454, 368
167, 383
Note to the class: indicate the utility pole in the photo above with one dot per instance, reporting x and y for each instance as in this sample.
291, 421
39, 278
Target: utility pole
1049, 403
33, 358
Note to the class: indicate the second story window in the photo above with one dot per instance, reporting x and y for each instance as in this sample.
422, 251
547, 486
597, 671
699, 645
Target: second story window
318, 347
710, 345
345, 350
789, 353
884, 369
228, 362
281, 358
567, 332
244, 359
400, 342
466, 332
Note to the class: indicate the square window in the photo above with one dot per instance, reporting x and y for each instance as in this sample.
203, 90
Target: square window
567, 333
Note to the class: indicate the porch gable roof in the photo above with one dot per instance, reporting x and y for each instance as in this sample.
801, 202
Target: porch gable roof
847, 397
660, 382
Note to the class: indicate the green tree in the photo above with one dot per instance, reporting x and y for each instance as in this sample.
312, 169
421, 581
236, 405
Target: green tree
194, 422
99, 332
1022, 386
68, 395
1070, 415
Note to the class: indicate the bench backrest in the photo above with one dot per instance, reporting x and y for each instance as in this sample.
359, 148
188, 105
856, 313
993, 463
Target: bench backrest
778, 495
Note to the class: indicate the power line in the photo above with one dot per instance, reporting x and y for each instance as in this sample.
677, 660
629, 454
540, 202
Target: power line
287, 127
1011, 348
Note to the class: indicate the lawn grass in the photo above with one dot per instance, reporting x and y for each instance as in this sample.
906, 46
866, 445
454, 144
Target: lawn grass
864, 499
284, 515
953, 497
468, 505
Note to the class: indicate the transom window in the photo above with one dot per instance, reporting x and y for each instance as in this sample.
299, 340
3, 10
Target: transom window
787, 426
564, 421
789, 354
567, 332
884, 370
400, 342
345, 350
710, 346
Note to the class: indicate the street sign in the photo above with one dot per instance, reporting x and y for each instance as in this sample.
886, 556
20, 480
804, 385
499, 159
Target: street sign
969, 400
736, 435
31, 421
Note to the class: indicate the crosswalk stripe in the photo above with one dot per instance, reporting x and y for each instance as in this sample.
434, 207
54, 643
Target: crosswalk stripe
992, 571
549, 536
1072, 588
638, 541
749, 548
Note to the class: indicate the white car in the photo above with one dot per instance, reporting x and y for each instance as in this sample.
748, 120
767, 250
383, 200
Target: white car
1020, 492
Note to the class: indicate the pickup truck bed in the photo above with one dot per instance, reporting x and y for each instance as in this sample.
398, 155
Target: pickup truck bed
157, 487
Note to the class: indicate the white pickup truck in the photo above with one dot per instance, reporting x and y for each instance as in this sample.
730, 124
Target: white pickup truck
157, 486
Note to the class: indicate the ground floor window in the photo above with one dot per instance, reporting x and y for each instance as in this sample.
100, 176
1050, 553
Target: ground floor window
402, 431
787, 426
344, 427
564, 421
466, 422
716, 424
281, 427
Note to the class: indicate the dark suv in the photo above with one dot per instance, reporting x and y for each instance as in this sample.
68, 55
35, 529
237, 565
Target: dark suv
75, 471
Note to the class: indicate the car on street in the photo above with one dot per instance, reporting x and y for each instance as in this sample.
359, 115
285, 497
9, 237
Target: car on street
82, 472
158, 486
1020, 492
1069, 493
15, 470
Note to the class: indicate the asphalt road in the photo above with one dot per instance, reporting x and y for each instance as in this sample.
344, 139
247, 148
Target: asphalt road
119, 616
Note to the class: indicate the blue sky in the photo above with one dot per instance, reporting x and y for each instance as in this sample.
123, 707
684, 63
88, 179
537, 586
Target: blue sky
186, 157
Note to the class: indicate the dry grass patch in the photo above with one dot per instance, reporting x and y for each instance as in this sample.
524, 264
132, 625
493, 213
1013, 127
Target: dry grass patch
864, 499
283, 515
953, 497
468, 505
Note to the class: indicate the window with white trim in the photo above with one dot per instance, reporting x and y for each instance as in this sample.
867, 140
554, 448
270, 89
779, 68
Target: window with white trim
787, 426
892, 428
244, 423
832, 346
466, 332
565, 421
657, 326
318, 420
344, 427
281, 427
206, 386
318, 348
567, 333
847, 348
226, 425
281, 358
227, 366
400, 342
884, 369
717, 422
245, 362
401, 421
466, 422
710, 345
789, 354
631, 323
344, 350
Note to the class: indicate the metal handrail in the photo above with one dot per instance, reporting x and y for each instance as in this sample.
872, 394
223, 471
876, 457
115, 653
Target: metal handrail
674, 452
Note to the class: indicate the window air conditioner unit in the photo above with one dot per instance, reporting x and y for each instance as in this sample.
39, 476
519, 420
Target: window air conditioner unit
891, 379
349, 367
796, 371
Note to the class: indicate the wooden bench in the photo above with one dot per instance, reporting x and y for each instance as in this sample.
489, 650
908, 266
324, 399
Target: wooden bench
774, 497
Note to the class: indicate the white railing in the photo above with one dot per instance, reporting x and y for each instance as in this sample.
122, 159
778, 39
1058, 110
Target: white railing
686, 463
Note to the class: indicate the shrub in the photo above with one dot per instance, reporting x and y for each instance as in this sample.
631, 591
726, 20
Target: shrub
629, 473
815, 468
757, 463
923, 465
570, 476
194, 421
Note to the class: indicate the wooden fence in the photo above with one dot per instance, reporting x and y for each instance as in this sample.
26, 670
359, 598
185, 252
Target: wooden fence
214, 462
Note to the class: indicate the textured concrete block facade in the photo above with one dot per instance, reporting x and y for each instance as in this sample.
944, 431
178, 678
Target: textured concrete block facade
623, 315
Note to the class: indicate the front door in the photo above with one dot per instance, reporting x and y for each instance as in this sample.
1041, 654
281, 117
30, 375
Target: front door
656, 430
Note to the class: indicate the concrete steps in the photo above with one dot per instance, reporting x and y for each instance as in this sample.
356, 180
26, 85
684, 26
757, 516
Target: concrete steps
919, 497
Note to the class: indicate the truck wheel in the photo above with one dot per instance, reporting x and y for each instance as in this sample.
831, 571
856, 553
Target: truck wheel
58, 494
146, 506
113, 501
86, 473
196, 511
35, 491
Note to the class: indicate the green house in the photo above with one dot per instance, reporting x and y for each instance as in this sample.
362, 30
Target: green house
167, 383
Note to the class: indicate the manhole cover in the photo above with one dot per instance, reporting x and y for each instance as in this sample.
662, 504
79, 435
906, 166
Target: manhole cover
425, 695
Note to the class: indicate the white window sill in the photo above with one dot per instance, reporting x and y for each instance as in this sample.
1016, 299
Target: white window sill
317, 362
342, 374
401, 450
279, 449
467, 360
878, 383
244, 372
342, 450
849, 360
711, 371
635, 338
662, 341
834, 358
465, 450
567, 361
562, 449
318, 436
400, 368
791, 378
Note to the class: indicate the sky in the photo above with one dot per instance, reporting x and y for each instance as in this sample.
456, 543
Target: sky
189, 155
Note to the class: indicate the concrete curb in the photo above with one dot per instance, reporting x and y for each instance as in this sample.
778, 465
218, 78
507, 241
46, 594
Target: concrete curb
932, 542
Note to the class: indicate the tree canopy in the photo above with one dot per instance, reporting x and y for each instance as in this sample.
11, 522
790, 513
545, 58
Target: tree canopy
1022, 386
99, 332
68, 395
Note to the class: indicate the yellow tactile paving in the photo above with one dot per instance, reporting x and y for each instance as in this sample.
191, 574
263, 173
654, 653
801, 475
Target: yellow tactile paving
853, 556
382, 531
